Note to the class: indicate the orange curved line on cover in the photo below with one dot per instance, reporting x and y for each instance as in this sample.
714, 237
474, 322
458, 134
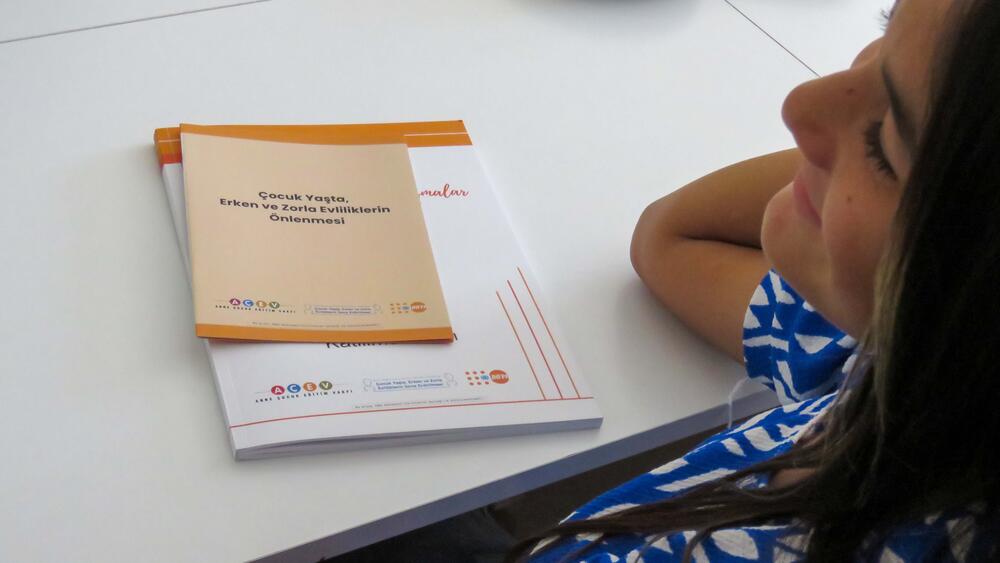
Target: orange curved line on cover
440, 334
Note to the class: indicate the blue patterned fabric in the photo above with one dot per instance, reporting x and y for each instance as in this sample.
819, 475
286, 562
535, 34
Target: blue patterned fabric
793, 350
789, 347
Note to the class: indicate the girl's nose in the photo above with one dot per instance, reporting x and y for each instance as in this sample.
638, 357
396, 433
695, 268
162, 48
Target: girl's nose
821, 111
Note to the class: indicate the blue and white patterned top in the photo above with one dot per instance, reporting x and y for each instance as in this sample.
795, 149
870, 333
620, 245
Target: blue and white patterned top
793, 350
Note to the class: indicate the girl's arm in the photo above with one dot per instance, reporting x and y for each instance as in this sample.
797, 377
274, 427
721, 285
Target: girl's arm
698, 248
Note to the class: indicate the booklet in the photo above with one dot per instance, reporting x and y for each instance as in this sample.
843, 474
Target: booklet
507, 371
307, 234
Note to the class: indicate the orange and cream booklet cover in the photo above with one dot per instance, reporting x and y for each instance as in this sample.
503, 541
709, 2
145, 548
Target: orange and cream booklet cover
307, 234
509, 369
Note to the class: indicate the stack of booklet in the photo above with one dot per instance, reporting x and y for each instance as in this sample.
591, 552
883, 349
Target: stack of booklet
359, 286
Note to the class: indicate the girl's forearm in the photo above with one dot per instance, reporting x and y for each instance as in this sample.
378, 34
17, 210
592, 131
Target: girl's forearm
698, 249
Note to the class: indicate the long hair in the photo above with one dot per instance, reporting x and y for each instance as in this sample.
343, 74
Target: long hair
919, 430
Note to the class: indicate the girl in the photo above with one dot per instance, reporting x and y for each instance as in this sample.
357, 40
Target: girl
878, 324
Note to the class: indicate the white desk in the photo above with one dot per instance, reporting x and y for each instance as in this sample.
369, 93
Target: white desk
22, 19
824, 34
115, 445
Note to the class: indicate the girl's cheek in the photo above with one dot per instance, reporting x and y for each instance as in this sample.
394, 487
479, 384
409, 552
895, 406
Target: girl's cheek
855, 236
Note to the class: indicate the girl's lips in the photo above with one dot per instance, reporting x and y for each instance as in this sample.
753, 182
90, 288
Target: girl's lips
802, 201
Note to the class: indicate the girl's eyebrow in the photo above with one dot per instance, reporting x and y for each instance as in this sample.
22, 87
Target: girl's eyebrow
905, 123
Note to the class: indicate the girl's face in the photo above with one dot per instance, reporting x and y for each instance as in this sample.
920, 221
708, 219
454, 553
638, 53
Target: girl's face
858, 130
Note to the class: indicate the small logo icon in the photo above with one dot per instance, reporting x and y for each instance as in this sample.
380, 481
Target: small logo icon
274, 304
234, 302
294, 388
278, 390
418, 306
325, 385
262, 304
309, 386
248, 302
499, 376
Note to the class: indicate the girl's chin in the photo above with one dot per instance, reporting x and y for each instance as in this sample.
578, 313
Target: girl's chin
789, 244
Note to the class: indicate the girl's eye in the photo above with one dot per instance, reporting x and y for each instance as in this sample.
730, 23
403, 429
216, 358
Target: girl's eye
874, 150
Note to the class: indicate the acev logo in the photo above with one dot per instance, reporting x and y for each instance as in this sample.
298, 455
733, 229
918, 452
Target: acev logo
255, 305
251, 303
281, 392
308, 386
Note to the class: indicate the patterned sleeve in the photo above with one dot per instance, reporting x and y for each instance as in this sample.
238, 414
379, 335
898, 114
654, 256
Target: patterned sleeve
790, 347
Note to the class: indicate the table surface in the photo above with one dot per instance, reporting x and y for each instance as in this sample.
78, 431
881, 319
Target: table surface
30, 19
824, 34
580, 109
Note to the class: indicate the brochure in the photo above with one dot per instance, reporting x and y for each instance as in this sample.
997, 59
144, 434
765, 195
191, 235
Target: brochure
307, 235
509, 369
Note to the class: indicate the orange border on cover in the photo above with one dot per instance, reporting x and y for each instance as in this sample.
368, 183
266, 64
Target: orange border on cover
440, 334
412, 134
168, 145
